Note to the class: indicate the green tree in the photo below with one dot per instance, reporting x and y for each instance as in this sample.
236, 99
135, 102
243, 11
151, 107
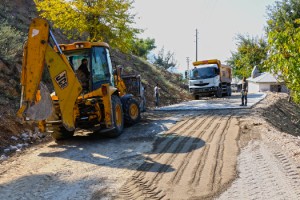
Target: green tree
251, 51
142, 47
11, 41
165, 60
95, 20
283, 29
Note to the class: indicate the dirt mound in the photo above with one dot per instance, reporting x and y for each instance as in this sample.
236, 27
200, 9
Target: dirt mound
283, 115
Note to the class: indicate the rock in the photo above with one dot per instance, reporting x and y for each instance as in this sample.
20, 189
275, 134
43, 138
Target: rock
36, 130
257, 123
13, 148
14, 138
19, 146
24, 135
6, 150
245, 127
41, 135
3, 157
35, 136
26, 145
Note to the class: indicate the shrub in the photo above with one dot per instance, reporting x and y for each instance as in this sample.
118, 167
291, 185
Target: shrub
11, 42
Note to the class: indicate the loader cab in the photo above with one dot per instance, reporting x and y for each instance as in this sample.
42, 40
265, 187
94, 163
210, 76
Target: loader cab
99, 62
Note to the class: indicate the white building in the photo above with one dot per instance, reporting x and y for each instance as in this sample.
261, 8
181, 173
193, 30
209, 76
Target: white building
262, 82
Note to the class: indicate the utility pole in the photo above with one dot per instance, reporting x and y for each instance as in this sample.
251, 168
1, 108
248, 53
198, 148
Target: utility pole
196, 44
188, 68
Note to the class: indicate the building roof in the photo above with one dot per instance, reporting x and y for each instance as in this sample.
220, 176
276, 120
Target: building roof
265, 77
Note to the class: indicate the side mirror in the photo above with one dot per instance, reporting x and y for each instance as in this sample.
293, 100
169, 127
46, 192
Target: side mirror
218, 71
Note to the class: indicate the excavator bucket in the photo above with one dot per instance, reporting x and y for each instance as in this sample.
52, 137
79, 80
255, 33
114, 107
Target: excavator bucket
43, 108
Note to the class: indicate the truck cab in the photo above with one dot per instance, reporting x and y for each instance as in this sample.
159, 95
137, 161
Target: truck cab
209, 78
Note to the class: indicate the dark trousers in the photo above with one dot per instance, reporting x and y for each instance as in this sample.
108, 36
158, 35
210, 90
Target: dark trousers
244, 98
156, 100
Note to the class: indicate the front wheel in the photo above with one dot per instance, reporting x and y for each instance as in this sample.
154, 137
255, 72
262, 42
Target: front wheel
118, 118
219, 92
132, 112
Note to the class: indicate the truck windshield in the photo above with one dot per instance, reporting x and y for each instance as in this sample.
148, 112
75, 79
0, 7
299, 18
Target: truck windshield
203, 73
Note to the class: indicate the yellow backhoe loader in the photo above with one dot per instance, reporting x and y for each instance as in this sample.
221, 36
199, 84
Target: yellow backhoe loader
99, 103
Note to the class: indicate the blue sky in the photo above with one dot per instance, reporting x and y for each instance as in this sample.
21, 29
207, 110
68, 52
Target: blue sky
173, 23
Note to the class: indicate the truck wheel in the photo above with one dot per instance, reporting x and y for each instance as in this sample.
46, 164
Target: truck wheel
132, 113
59, 132
118, 118
196, 97
219, 92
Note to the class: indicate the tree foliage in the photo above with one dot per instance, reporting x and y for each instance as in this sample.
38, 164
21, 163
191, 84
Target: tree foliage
165, 60
283, 31
142, 47
251, 51
95, 20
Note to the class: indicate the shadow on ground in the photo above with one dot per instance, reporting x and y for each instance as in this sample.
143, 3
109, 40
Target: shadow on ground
128, 151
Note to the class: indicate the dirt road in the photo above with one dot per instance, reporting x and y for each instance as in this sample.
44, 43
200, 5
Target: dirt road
169, 155
187, 157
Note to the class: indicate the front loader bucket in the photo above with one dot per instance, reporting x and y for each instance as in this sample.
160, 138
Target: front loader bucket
43, 108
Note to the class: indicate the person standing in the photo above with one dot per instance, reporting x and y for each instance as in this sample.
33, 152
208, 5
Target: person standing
244, 92
156, 95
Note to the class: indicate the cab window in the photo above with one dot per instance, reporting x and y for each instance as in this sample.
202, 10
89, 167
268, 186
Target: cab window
100, 67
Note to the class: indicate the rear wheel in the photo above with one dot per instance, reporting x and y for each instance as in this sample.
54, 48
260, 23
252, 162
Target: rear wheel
118, 118
132, 112
196, 97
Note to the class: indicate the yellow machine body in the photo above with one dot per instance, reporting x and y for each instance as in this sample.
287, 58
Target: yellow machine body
67, 88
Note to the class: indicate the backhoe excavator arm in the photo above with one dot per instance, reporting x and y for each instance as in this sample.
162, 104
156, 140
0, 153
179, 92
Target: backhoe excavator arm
37, 52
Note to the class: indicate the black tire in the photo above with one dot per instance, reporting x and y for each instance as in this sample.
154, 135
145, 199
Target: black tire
59, 132
196, 97
132, 112
219, 92
118, 118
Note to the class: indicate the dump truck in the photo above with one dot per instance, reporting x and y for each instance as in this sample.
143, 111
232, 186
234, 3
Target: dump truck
103, 105
210, 77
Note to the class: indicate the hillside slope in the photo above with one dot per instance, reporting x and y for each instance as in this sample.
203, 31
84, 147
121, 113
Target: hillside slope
18, 15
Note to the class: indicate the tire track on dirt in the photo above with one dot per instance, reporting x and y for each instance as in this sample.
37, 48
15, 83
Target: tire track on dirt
274, 176
177, 149
181, 163
142, 190
176, 178
218, 165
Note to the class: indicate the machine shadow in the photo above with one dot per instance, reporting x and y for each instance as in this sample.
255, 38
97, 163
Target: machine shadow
134, 149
